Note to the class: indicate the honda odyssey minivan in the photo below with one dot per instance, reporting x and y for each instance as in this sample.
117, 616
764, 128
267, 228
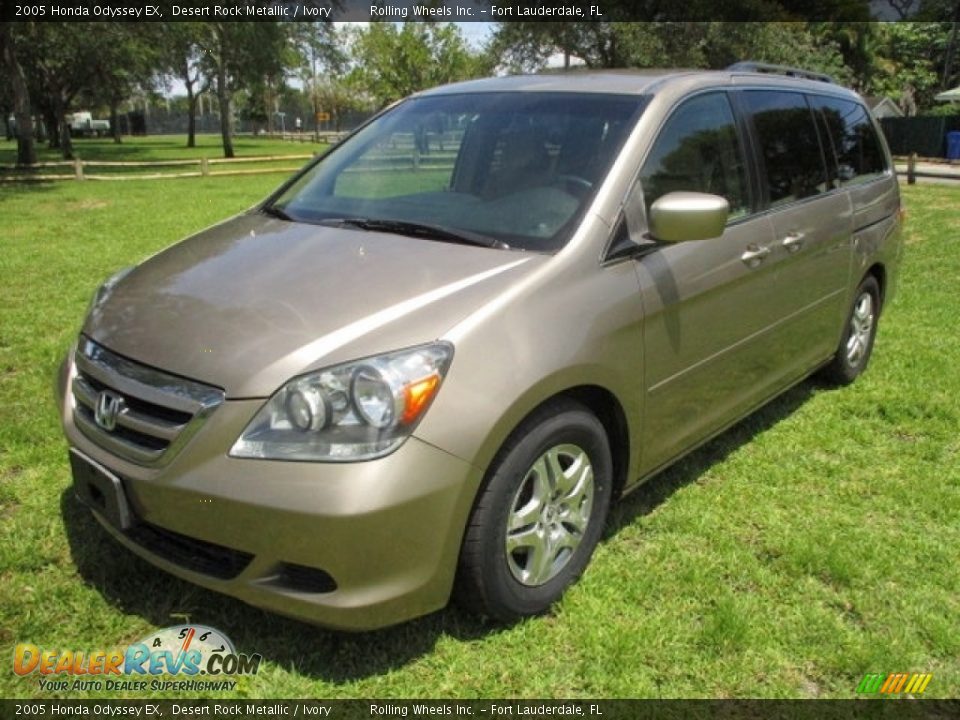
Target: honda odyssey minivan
430, 361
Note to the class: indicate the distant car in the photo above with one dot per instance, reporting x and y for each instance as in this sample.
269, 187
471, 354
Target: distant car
82, 124
421, 367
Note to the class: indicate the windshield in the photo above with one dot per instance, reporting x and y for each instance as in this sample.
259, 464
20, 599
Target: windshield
515, 168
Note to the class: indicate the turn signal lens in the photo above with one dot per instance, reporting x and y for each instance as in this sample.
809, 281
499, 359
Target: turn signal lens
417, 396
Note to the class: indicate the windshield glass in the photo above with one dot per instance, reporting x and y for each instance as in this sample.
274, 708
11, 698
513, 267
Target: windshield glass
517, 168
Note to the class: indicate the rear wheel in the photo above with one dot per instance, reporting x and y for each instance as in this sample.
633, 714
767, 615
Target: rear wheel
539, 517
856, 345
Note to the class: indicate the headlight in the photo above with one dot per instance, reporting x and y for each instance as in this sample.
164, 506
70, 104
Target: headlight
355, 411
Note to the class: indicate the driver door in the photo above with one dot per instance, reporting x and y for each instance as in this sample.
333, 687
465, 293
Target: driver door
706, 303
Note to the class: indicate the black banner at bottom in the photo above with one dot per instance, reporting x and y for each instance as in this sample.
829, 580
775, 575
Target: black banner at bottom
899, 709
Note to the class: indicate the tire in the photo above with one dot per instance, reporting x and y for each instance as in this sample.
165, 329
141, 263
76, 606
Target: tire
551, 527
856, 344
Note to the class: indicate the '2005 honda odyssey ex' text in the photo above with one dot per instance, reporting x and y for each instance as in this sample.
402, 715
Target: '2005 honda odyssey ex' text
433, 358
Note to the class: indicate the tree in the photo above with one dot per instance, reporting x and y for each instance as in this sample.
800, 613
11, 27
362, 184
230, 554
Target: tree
181, 53
126, 57
393, 62
235, 55
340, 98
780, 43
322, 64
527, 45
908, 63
57, 59
20, 96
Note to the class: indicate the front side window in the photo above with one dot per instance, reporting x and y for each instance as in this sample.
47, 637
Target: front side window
789, 145
698, 150
519, 168
859, 155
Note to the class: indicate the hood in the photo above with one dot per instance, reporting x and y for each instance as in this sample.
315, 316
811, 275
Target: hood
254, 301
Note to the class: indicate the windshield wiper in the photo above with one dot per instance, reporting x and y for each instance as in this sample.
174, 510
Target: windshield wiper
277, 212
423, 230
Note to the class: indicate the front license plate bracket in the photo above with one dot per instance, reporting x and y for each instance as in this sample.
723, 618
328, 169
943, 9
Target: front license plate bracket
100, 490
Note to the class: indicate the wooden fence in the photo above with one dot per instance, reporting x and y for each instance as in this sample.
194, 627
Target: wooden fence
79, 168
912, 173
325, 137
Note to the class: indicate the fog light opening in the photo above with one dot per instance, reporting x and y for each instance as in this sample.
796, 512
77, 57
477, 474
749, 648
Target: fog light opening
301, 578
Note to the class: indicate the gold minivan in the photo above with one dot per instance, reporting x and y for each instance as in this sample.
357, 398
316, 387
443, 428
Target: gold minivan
431, 360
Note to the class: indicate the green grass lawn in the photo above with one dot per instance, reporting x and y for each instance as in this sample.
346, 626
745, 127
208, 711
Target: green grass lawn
814, 542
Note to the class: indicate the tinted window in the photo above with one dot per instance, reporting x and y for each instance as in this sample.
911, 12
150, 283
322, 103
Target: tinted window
698, 150
859, 154
789, 145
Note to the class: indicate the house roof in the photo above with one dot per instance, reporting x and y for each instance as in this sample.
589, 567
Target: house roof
876, 101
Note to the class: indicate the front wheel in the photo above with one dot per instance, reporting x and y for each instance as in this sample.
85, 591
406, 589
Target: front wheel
856, 345
540, 515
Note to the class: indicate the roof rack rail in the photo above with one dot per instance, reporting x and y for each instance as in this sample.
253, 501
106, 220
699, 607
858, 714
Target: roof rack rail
750, 66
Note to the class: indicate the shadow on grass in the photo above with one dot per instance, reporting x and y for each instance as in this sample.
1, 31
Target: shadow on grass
90, 150
134, 586
658, 489
12, 189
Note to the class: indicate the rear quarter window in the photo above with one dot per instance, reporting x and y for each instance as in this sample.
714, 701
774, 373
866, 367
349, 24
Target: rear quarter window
853, 136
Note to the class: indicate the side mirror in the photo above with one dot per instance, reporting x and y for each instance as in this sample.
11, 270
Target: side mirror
682, 216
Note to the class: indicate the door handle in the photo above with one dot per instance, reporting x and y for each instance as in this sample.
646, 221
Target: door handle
793, 241
754, 255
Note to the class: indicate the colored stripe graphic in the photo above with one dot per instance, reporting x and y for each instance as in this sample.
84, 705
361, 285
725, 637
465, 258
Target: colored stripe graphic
871, 683
894, 683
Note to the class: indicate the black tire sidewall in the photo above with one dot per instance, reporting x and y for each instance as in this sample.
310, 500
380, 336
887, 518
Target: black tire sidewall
846, 372
505, 596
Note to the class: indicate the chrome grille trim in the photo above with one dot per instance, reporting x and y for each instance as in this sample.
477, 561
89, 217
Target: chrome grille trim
159, 414
85, 394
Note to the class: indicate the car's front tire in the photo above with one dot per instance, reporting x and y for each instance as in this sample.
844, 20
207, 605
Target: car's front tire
539, 515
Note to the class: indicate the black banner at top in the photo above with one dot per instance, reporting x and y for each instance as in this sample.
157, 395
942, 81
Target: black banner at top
471, 10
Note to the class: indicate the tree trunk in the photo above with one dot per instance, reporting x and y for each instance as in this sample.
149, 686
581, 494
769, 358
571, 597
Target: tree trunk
66, 141
223, 96
53, 129
269, 106
114, 122
191, 117
26, 150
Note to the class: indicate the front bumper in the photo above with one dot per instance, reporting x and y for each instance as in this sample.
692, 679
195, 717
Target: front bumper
386, 532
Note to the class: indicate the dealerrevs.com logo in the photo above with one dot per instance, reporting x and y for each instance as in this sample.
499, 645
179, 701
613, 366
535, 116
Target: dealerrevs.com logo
186, 652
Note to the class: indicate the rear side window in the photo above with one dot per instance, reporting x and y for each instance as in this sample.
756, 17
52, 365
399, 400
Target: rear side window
857, 148
698, 150
789, 145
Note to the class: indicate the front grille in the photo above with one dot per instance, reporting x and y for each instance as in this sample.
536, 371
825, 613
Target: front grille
136, 412
199, 556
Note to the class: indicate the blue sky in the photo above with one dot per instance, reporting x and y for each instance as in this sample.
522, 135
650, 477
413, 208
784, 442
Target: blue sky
476, 33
